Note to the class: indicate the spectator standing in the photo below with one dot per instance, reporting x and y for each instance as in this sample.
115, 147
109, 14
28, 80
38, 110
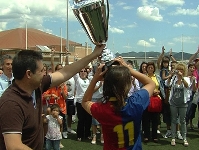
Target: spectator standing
54, 121
6, 77
179, 96
191, 109
84, 118
142, 70
196, 72
1, 71
70, 99
97, 97
153, 117
22, 124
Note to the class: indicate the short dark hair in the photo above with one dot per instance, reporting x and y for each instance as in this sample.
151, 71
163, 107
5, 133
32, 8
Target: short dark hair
191, 65
25, 60
56, 67
151, 63
54, 106
130, 62
140, 70
165, 59
4, 57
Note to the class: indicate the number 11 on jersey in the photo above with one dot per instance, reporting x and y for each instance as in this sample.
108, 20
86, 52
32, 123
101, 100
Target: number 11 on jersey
119, 129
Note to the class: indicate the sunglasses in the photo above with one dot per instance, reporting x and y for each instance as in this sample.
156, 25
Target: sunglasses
83, 71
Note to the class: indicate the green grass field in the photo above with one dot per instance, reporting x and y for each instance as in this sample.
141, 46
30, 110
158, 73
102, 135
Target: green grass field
163, 144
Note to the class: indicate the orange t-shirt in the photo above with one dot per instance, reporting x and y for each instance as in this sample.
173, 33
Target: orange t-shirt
60, 100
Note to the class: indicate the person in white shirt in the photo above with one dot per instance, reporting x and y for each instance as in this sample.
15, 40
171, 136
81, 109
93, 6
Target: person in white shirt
84, 118
135, 86
54, 121
70, 104
6, 77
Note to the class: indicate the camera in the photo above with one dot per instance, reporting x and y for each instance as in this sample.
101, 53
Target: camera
176, 71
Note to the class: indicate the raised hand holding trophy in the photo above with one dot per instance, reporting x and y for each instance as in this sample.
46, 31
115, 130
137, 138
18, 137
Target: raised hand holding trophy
93, 15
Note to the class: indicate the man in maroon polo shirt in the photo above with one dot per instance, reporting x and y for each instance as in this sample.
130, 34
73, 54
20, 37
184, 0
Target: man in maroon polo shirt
21, 124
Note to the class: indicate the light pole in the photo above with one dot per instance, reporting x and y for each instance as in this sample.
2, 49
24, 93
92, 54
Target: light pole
67, 45
182, 49
145, 51
26, 36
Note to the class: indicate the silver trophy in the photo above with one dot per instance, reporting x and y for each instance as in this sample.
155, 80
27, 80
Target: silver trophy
93, 15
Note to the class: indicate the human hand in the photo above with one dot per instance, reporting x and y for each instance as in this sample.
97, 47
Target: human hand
98, 49
170, 52
67, 52
53, 51
101, 83
171, 73
54, 96
61, 86
133, 79
163, 49
121, 61
198, 49
192, 78
55, 114
98, 76
156, 92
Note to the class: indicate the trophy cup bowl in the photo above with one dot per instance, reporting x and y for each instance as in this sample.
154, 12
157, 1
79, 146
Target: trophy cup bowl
93, 15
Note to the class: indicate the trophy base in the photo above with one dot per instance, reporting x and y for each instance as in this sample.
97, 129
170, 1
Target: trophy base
110, 64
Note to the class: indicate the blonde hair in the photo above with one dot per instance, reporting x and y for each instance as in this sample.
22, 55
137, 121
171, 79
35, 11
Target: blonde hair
181, 66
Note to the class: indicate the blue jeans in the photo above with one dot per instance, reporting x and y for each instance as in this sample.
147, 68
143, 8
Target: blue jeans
52, 144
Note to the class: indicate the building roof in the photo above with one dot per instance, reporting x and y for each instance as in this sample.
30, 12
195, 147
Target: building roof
16, 39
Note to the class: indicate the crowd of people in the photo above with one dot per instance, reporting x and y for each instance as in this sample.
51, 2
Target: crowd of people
43, 100
176, 87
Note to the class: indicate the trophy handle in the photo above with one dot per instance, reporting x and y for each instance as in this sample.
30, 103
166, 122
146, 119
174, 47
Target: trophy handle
107, 17
108, 13
107, 4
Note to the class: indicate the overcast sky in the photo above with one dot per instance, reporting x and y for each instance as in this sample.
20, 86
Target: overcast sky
134, 25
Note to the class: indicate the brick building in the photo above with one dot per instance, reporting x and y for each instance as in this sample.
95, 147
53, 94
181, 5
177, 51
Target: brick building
11, 41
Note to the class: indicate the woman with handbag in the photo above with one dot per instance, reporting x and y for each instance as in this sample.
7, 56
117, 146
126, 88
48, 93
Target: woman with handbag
152, 113
179, 95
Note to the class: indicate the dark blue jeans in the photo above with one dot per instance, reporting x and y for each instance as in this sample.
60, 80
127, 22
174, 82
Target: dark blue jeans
52, 144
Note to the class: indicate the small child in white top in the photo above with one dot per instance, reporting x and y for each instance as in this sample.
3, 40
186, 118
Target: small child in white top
53, 135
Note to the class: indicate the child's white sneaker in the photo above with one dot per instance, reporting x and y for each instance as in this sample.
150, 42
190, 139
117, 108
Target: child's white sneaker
173, 142
186, 143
